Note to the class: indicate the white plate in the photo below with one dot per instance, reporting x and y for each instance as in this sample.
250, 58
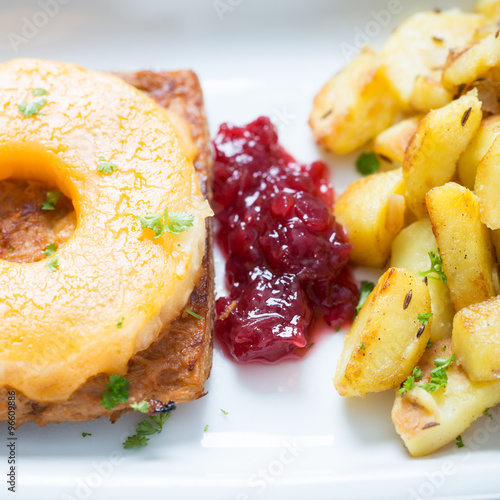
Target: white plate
287, 434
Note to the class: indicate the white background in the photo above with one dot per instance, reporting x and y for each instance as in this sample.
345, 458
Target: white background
287, 434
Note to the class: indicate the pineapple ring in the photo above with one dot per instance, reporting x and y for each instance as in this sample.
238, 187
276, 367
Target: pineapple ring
115, 287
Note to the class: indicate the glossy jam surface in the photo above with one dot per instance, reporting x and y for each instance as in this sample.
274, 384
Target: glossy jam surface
286, 255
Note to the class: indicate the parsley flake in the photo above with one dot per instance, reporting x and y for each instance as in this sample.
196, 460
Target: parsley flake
38, 91
439, 378
106, 167
51, 201
135, 441
364, 290
206, 428
118, 392
436, 268
459, 442
152, 425
367, 163
429, 344
167, 222
487, 413
10, 250
31, 109
362, 346
409, 383
52, 265
120, 323
424, 318
224, 411
85, 434
143, 406
50, 250
197, 316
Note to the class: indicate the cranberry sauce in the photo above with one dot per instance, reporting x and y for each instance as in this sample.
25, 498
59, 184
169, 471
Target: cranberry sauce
286, 255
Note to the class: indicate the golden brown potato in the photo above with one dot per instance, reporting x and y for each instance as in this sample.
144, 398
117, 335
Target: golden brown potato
476, 340
488, 184
386, 339
392, 143
354, 105
442, 136
465, 67
489, 9
465, 243
426, 421
372, 211
410, 250
428, 93
477, 149
419, 47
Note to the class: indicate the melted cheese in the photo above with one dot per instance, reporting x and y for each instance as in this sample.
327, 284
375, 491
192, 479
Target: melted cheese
60, 328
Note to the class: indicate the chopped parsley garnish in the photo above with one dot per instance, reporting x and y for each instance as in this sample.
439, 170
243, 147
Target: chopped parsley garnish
143, 406
364, 290
118, 392
120, 323
459, 442
31, 109
436, 268
429, 344
367, 163
197, 316
85, 434
174, 222
362, 346
152, 425
135, 441
224, 411
424, 318
37, 92
409, 383
487, 413
50, 250
443, 348
311, 344
10, 250
106, 167
206, 428
52, 265
51, 201
439, 378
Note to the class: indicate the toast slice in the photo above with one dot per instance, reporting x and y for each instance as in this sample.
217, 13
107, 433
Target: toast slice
176, 366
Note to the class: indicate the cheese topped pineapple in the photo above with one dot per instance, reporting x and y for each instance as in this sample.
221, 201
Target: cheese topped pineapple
109, 290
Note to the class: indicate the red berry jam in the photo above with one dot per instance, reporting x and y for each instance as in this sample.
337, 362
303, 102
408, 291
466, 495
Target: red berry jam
286, 256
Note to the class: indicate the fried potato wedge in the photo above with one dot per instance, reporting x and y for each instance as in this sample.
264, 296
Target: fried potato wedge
465, 243
489, 8
476, 340
391, 144
386, 339
410, 250
468, 162
431, 157
428, 93
487, 186
372, 211
419, 47
354, 105
426, 421
464, 68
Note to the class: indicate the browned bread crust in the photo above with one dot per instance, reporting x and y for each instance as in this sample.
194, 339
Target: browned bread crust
176, 366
